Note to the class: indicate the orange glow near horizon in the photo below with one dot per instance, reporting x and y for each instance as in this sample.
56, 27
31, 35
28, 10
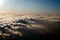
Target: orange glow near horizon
6, 12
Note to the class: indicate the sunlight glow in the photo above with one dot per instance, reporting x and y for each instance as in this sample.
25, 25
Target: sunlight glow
1, 3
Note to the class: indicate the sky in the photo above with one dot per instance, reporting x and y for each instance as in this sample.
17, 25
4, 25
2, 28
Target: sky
30, 6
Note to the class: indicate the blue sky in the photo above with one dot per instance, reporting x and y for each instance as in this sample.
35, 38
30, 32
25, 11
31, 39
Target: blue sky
51, 6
